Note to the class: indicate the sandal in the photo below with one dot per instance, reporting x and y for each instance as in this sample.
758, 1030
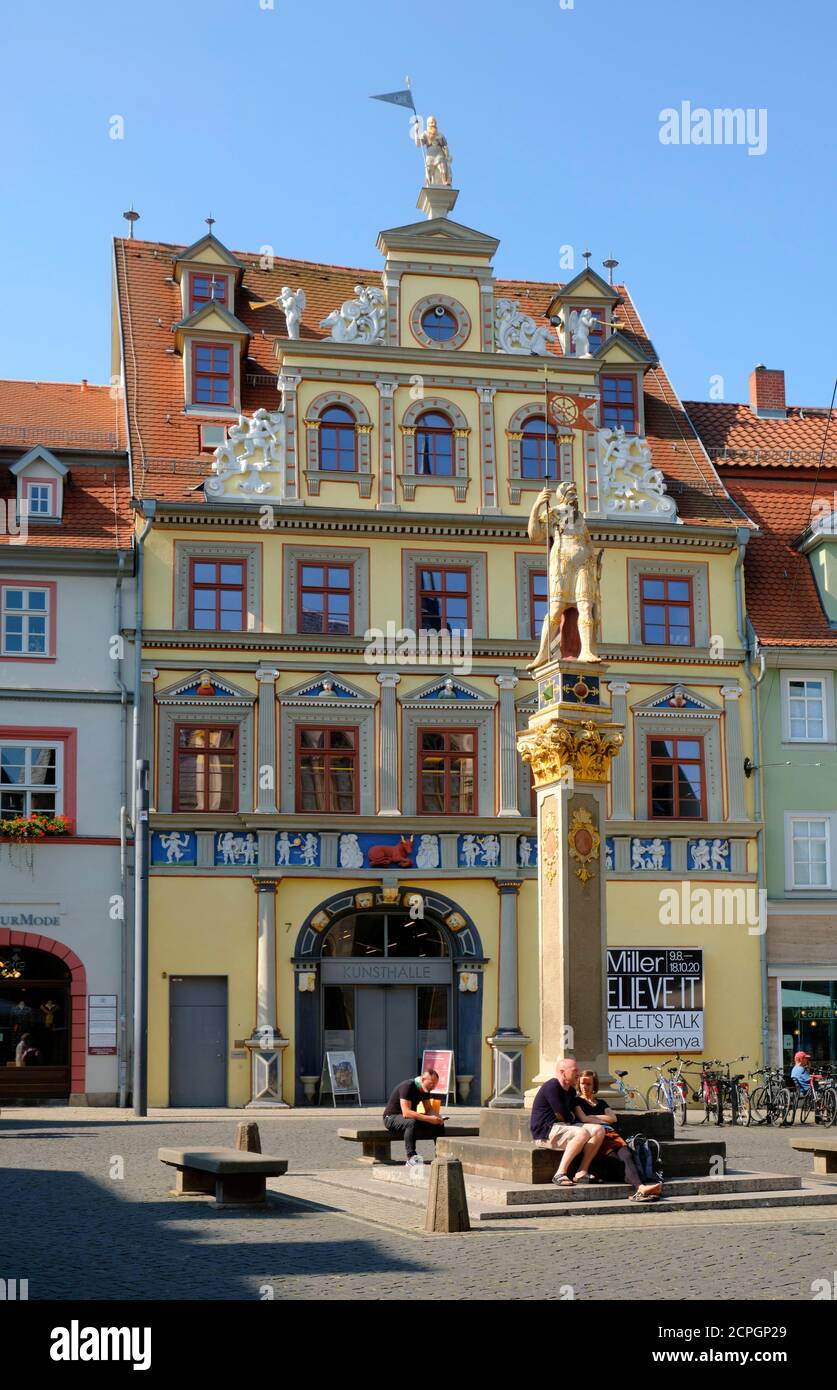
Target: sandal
562, 1180
644, 1197
582, 1178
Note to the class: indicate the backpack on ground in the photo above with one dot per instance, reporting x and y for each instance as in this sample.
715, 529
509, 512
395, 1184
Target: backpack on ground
647, 1157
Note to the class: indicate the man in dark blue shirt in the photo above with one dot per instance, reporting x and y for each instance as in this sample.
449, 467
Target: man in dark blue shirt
558, 1122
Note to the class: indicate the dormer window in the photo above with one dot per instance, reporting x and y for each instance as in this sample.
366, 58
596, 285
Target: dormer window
40, 487
38, 497
619, 404
212, 374
206, 287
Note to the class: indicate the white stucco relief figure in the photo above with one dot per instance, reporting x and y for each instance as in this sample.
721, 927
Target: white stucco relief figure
515, 331
438, 165
253, 449
360, 320
581, 324
351, 854
292, 304
629, 484
428, 852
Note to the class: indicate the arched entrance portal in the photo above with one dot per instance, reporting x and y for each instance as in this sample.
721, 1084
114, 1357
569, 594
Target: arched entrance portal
42, 1000
386, 973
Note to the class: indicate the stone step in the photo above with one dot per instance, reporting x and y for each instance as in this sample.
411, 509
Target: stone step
513, 1160
514, 1124
491, 1192
722, 1201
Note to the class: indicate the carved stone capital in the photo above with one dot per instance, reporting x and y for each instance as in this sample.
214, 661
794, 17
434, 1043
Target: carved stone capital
555, 750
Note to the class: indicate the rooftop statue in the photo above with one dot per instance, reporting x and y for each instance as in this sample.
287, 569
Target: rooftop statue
438, 165
361, 320
574, 574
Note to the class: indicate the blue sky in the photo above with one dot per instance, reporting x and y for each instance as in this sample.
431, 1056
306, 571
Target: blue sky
262, 117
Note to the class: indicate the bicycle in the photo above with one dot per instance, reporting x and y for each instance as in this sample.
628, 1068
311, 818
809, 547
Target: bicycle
669, 1092
634, 1099
771, 1103
820, 1100
733, 1093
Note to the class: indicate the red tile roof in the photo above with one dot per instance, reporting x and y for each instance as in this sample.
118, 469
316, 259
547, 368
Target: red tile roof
165, 442
782, 597
61, 415
73, 421
732, 433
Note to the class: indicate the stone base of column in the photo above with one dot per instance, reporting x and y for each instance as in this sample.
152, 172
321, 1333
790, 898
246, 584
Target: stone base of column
508, 1049
266, 1071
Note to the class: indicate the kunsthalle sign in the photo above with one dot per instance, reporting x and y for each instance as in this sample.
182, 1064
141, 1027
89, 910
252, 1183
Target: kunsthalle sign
655, 999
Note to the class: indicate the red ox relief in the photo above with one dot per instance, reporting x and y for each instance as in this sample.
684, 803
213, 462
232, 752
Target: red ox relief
402, 854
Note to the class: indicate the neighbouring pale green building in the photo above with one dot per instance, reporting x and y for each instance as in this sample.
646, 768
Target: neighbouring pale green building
777, 464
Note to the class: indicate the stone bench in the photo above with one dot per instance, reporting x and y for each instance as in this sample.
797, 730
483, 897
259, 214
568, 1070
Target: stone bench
824, 1151
232, 1176
376, 1142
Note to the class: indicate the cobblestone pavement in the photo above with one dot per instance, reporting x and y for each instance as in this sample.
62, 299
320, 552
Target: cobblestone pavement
82, 1231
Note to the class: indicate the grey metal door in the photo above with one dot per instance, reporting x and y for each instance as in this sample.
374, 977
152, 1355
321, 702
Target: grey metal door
198, 1040
386, 1039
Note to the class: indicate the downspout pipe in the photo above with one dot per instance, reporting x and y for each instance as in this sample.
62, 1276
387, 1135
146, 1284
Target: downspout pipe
749, 642
148, 510
123, 800
139, 803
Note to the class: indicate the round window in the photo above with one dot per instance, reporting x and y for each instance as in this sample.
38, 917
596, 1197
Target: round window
439, 323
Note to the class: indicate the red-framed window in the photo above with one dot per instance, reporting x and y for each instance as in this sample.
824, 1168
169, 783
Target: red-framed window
39, 497
338, 440
327, 769
538, 449
212, 374
619, 404
434, 444
206, 767
38, 772
204, 287
217, 595
325, 597
447, 769
676, 778
27, 620
444, 599
667, 610
596, 334
538, 602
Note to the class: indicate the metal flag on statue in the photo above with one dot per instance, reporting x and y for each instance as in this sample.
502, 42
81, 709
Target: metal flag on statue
570, 412
404, 98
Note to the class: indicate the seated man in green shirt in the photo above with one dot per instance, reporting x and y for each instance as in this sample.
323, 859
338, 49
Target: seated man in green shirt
402, 1117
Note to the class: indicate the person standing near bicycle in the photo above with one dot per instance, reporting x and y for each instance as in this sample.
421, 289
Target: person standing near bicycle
614, 1161
801, 1072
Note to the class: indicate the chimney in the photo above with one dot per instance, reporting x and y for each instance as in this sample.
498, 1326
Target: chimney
767, 392
84, 383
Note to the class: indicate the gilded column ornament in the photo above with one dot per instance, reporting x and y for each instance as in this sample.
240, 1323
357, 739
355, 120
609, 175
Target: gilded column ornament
555, 752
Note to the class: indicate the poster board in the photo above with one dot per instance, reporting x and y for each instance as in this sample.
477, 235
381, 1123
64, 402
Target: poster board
442, 1062
339, 1076
655, 999
102, 1024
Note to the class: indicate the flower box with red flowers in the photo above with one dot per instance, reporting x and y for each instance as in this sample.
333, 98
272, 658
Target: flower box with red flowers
38, 826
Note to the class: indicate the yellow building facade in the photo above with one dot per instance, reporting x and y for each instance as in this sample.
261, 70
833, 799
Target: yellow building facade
334, 472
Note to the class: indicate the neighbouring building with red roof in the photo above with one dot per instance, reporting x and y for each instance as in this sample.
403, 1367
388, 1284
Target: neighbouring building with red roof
779, 463
334, 470
66, 592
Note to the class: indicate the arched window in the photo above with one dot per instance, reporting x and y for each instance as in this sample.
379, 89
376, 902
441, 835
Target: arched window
434, 445
338, 440
538, 450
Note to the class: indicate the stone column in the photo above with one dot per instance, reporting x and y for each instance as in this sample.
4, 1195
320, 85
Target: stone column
621, 774
266, 1043
388, 680
288, 382
508, 745
569, 747
266, 785
734, 752
508, 1043
488, 452
387, 499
